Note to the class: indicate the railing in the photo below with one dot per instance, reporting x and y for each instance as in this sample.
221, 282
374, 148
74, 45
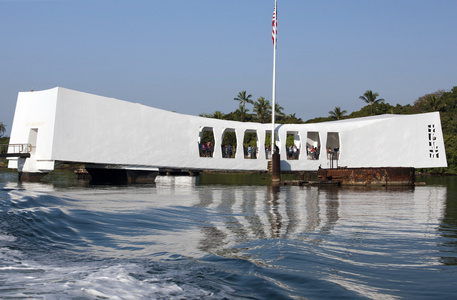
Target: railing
15, 150
333, 157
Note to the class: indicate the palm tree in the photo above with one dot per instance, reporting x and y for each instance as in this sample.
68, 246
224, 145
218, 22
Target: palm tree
337, 113
243, 98
241, 112
262, 108
434, 102
370, 98
279, 110
218, 115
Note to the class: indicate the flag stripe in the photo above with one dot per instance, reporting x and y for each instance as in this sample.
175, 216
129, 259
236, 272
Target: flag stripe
274, 25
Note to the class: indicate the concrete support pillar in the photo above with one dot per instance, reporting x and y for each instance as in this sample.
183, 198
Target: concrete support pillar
276, 168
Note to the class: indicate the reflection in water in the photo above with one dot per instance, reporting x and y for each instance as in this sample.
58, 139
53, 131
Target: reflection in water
352, 236
332, 205
272, 207
230, 219
312, 210
304, 242
246, 214
253, 220
448, 226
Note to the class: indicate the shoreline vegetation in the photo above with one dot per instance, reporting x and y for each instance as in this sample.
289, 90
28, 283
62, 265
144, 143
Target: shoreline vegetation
445, 102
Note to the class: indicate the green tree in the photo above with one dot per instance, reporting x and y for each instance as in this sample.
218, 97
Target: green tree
229, 139
292, 119
243, 98
279, 113
431, 102
262, 108
2, 129
337, 113
434, 102
250, 139
279, 110
240, 113
216, 115
370, 98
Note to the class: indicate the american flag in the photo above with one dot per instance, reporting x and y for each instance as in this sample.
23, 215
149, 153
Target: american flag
275, 27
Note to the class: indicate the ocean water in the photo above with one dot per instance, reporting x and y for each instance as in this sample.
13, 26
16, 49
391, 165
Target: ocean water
184, 239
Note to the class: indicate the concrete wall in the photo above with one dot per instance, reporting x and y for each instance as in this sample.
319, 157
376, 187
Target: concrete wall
80, 127
34, 122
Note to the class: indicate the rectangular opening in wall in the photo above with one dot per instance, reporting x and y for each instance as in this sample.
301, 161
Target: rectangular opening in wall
293, 145
33, 136
313, 145
250, 144
333, 145
229, 143
206, 142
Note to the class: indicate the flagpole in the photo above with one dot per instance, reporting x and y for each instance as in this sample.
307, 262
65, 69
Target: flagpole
273, 97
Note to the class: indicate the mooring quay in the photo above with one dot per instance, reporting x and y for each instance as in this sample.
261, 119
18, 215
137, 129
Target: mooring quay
115, 138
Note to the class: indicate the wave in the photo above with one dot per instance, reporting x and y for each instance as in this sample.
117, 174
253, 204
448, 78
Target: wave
21, 277
163, 241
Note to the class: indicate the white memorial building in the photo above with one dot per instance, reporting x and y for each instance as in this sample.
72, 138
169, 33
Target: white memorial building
62, 125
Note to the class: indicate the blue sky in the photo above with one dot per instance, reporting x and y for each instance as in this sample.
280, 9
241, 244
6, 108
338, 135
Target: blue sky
195, 56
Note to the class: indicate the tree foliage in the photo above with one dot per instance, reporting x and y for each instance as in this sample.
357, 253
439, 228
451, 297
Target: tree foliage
337, 113
2, 129
243, 97
4, 140
262, 109
371, 98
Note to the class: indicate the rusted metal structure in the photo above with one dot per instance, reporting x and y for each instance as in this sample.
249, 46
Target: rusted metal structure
393, 176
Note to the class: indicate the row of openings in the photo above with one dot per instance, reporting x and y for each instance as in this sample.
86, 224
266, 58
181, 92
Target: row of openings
293, 148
